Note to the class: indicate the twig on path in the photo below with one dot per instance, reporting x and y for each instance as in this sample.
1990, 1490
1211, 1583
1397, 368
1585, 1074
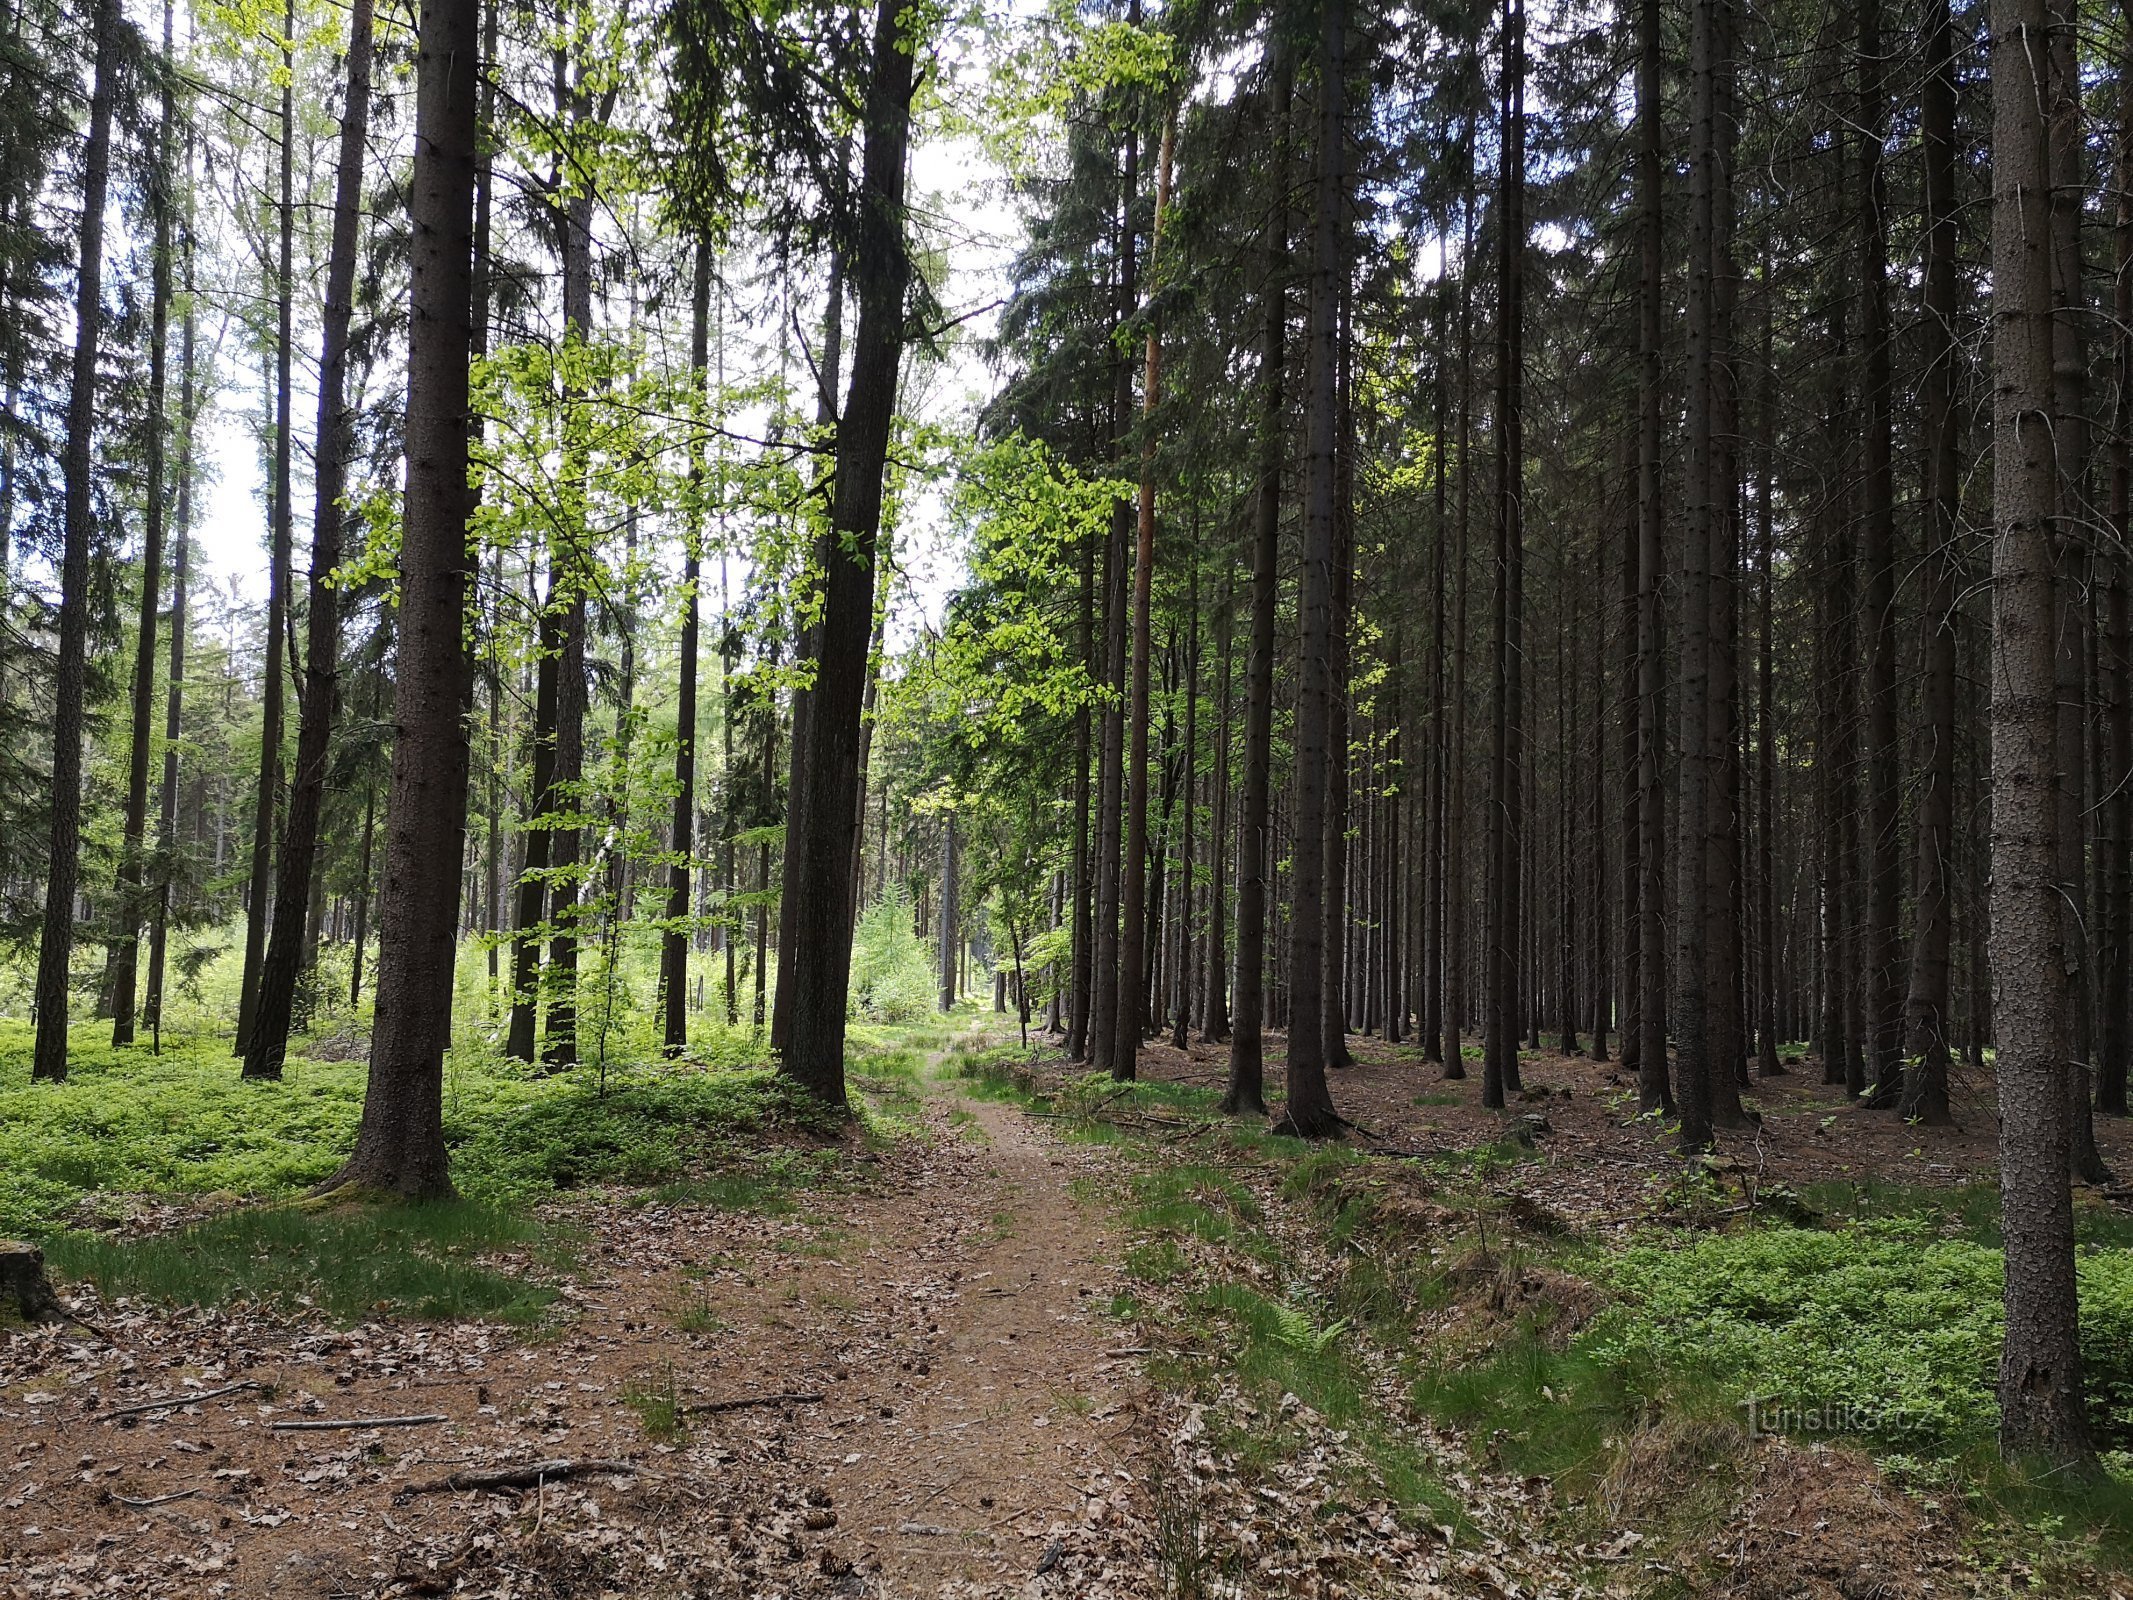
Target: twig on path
154, 1500
527, 1475
173, 1401
745, 1402
326, 1424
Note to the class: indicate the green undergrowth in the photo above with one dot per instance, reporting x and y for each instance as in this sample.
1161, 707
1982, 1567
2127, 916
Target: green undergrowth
1864, 1314
131, 1128
434, 1262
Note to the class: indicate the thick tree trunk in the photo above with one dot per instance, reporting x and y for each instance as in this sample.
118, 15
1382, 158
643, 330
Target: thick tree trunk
55, 949
811, 639
400, 1142
1255, 841
817, 921
284, 964
2040, 1387
2115, 970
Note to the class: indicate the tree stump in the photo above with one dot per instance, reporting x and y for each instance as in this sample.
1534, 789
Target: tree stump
23, 1282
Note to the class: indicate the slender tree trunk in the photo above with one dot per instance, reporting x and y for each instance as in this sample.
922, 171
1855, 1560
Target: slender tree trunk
817, 918
131, 909
1927, 1012
1133, 951
55, 948
1180, 1030
1877, 563
1110, 999
1767, 1064
283, 966
2040, 1384
1502, 1018
1697, 776
1340, 882
1310, 1113
951, 912
266, 810
674, 942
400, 1142
1654, 1081
1255, 841
174, 691
2115, 1017
1214, 1009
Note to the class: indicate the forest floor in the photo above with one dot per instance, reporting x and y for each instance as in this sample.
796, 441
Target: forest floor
1043, 1340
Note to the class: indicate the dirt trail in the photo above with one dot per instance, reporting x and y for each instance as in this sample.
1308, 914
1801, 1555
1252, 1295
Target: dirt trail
973, 1436
1013, 1402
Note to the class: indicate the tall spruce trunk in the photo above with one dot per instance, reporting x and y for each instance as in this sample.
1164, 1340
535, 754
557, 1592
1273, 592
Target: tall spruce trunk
674, 941
811, 638
1133, 951
1883, 994
1655, 1090
1214, 996
2074, 548
1457, 845
1927, 1019
400, 1142
1108, 999
284, 965
2115, 970
1255, 842
267, 802
174, 690
818, 929
1310, 1113
1501, 1019
55, 949
1697, 774
131, 906
2040, 1382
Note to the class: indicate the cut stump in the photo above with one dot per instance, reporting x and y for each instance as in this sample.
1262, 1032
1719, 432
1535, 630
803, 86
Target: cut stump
23, 1283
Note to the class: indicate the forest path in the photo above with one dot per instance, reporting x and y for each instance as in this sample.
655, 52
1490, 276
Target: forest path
996, 1431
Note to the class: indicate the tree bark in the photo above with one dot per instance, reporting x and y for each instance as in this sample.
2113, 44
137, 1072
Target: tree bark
284, 964
2040, 1385
1309, 1113
131, 875
674, 942
1255, 842
1926, 1008
1502, 1019
400, 1141
1654, 1080
1133, 952
266, 810
817, 923
55, 947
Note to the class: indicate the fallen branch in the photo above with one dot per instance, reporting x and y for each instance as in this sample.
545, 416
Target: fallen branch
326, 1424
155, 1500
527, 1475
745, 1402
174, 1401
